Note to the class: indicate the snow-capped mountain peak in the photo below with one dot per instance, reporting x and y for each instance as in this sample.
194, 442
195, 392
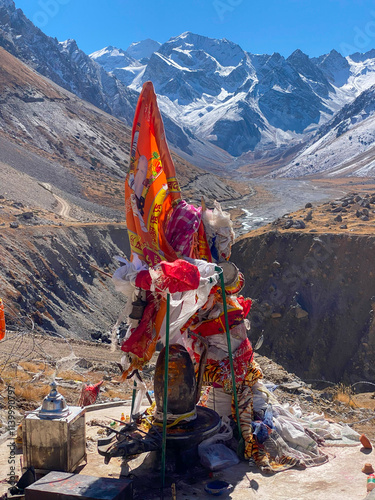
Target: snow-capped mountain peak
242, 101
70, 44
218, 101
143, 49
343, 147
335, 66
225, 52
362, 57
112, 58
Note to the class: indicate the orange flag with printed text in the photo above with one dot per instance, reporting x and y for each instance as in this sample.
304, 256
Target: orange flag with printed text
151, 186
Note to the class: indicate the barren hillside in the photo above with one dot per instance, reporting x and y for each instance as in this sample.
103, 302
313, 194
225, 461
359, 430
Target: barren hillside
52, 136
312, 277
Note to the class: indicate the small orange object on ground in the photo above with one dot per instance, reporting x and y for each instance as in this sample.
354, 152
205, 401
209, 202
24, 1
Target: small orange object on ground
368, 469
365, 442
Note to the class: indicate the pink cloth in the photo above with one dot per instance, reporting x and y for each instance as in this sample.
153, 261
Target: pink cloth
182, 225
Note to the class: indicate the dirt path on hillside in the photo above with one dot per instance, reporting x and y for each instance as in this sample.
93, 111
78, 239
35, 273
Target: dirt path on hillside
65, 206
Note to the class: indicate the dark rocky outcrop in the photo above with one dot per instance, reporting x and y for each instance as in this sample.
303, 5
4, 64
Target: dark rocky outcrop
314, 297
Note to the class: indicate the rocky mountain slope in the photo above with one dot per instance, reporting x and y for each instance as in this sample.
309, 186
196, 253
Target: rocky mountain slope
64, 63
312, 277
46, 276
242, 101
51, 136
342, 147
223, 107
69, 67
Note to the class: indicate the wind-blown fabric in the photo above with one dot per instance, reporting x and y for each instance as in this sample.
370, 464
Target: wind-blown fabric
89, 394
182, 226
151, 186
152, 200
170, 277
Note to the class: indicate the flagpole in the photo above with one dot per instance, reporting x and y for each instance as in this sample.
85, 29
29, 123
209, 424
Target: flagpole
133, 399
165, 400
234, 388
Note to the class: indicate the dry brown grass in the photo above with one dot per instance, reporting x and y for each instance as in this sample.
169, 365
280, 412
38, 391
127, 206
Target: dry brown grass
67, 393
365, 400
93, 377
344, 394
117, 393
71, 375
36, 367
11, 375
31, 392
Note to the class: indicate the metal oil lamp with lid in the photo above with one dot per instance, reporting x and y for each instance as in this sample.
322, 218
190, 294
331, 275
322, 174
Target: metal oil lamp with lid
54, 435
54, 405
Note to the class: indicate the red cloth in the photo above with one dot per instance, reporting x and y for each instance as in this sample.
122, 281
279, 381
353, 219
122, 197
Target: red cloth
143, 280
142, 337
177, 276
245, 304
242, 357
89, 394
217, 325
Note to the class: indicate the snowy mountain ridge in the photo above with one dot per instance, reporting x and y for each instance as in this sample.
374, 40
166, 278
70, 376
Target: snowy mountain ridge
68, 66
245, 102
143, 50
343, 147
223, 107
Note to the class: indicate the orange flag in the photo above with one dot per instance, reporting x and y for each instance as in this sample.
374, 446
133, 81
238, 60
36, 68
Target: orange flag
151, 186
2, 320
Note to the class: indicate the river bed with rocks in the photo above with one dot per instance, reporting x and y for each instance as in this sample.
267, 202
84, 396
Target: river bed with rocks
272, 198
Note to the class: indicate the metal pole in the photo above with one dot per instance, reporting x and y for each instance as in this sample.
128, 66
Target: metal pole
133, 399
165, 401
220, 271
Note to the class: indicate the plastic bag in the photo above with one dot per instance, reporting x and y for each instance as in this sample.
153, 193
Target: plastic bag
213, 454
124, 277
260, 398
225, 433
219, 232
217, 456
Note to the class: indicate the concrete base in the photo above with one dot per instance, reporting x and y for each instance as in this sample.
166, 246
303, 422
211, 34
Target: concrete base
340, 479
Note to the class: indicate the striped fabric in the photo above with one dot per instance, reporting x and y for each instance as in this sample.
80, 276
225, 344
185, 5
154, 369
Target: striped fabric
253, 450
182, 226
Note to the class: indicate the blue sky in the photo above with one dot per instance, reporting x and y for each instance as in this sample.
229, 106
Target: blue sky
314, 26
